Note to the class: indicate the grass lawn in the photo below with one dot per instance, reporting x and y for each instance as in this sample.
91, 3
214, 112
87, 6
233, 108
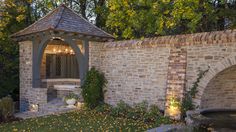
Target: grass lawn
76, 121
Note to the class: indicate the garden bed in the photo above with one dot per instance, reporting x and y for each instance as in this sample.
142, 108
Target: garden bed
85, 120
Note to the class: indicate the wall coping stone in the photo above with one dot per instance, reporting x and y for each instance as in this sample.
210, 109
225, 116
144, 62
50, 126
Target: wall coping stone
204, 38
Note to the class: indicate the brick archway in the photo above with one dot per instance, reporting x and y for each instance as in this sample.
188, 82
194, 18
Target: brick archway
213, 71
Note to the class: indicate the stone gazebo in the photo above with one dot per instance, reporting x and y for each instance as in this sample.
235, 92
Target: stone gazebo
54, 54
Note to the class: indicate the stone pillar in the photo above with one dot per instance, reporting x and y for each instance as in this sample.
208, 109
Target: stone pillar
25, 73
176, 78
28, 94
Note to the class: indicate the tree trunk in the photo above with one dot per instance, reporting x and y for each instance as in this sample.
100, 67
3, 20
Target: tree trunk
82, 4
28, 16
100, 22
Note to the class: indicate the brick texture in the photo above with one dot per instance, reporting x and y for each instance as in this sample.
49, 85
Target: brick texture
220, 91
29, 95
138, 69
154, 68
176, 78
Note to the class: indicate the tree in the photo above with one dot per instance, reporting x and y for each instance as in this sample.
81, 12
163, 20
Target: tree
12, 16
146, 18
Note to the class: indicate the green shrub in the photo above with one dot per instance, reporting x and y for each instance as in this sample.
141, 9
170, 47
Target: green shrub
121, 109
132, 114
162, 120
152, 114
71, 96
104, 108
138, 111
93, 88
141, 108
6, 108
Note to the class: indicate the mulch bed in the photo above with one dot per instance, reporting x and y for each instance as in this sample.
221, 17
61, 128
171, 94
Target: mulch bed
10, 119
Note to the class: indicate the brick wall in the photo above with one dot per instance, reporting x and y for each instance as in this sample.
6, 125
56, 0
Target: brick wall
176, 78
137, 69
133, 74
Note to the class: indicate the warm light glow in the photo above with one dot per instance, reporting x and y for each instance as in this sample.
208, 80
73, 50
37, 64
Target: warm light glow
63, 49
34, 107
80, 105
71, 51
173, 109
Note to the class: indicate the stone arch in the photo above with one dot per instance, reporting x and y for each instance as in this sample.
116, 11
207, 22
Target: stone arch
38, 55
212, 72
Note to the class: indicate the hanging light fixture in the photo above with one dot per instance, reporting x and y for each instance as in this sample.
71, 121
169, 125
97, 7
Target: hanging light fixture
63, 49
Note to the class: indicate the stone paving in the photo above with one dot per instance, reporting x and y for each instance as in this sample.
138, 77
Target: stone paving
55, 106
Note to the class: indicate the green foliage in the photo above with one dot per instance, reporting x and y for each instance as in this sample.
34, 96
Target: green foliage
140, 111
71, 96
163, 120
120, 110
103, 108
145, 18
93, 88
12, 13
175, 102
152, 114
187, 103
6, 108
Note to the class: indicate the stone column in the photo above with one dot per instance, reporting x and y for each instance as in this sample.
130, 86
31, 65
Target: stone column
176, 78
28, 94
25, 73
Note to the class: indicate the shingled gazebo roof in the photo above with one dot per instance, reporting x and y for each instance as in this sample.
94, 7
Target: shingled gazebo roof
65, 20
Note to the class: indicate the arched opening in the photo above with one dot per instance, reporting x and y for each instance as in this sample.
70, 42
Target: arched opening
59, 61
60, 68
220, 92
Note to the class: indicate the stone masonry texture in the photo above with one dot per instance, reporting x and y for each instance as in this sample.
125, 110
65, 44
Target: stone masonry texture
176, 77
152, 68
29, 95
137, 70
25, 73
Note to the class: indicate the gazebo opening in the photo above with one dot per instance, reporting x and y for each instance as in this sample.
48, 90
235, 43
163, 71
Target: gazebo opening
59, 61
59, 69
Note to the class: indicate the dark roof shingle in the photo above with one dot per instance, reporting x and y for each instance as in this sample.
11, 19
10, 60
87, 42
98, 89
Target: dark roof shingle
63, 19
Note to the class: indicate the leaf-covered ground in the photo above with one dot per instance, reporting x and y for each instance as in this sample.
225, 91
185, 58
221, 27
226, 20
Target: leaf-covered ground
76, 121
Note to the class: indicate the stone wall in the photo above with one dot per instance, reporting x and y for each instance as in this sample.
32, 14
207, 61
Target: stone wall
133, 74
137, 69
201, 57
152, 68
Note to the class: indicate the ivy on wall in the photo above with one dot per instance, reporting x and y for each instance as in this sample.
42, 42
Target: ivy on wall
187, 103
